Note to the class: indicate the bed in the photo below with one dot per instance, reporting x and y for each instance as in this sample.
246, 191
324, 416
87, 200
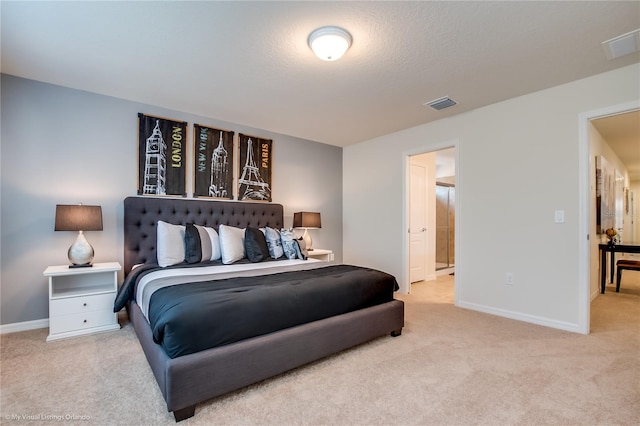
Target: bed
188, 377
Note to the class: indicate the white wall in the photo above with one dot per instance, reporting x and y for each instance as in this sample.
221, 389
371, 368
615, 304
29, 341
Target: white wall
518, 162
64, 146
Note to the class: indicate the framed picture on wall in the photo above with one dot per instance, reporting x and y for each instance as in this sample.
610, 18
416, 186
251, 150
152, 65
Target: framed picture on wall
255, 168
213, 162
605, 195
161, 156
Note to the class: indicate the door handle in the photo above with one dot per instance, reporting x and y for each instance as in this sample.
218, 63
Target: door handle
422, 230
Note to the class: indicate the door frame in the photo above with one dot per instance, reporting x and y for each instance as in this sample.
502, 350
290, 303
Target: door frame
584, 198
405, 285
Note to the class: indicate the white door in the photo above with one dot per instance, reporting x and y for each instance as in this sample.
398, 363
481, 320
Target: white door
417, 223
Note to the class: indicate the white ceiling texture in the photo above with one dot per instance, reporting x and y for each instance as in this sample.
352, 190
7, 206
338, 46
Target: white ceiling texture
249, 62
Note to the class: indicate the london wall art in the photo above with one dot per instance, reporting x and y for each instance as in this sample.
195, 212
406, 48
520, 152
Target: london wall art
161, 156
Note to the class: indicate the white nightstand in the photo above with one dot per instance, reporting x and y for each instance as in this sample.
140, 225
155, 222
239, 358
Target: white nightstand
321, 254
81, 299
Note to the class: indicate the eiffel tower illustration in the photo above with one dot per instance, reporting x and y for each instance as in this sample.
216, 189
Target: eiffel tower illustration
219, 166
155, 165
255, 187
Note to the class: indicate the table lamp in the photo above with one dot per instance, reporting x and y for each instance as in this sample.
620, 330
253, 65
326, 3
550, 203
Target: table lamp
306, 220
79, 218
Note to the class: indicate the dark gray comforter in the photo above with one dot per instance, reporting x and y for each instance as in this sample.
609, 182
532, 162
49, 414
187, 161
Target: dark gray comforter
192, 317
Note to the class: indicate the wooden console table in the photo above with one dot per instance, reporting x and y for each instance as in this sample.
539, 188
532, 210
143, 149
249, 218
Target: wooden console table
633, 247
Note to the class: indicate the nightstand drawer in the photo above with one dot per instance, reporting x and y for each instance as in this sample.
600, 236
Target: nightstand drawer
76, 305
66, 323
81, 299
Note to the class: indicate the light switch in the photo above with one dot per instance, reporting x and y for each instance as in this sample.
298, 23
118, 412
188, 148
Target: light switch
559, 216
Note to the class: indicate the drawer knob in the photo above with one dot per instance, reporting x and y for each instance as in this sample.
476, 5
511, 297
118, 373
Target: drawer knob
84, 321
84, 304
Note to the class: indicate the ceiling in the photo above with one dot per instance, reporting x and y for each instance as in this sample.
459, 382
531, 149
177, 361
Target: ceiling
249, 62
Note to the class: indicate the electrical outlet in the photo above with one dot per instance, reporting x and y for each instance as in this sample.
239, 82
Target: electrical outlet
508, 278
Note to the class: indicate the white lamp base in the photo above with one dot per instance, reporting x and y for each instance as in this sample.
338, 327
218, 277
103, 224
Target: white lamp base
81, 252
307, 239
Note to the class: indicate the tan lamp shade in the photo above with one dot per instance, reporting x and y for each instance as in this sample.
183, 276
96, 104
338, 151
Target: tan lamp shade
306, 220
78, 218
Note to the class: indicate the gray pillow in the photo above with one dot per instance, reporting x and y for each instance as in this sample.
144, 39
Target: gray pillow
255, 245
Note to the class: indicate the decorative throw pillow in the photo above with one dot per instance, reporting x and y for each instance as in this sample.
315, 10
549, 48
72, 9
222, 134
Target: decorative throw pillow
201, 244
231, 243
170, 243
255, 245
197, 244
205, 241
273, 242
288, 243
192, 244
301, 250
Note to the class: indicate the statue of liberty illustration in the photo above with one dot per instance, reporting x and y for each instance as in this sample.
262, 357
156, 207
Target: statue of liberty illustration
155, 166
255, 188
219, 167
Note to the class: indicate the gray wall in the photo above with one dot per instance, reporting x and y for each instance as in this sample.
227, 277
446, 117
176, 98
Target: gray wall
64, 146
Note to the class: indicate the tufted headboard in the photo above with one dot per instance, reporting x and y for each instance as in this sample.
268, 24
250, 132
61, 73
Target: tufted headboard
142, 213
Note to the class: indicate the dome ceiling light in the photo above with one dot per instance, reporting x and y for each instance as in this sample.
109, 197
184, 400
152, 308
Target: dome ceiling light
329, 43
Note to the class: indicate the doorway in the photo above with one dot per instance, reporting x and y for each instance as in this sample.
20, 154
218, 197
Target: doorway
589, 254
430, 207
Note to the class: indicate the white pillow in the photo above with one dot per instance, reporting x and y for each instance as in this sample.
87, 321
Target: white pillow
231, 243
170, 244
215, 243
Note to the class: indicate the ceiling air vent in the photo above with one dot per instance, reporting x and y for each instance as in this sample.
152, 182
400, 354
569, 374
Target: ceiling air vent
623, 45
441, 103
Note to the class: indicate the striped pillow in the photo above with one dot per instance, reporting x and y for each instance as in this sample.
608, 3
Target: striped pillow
201, 244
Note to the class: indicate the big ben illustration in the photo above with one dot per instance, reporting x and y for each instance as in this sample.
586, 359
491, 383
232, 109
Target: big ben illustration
155, 166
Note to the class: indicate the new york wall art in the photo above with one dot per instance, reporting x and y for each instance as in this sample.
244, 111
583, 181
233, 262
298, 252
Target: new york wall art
213, 168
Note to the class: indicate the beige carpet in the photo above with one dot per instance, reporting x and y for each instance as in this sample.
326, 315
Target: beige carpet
450, 367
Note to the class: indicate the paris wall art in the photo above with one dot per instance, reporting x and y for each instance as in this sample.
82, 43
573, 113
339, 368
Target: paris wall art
255, 168
161, 156
213, 162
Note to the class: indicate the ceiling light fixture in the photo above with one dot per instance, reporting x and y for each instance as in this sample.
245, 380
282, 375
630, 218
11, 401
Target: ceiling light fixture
329, 43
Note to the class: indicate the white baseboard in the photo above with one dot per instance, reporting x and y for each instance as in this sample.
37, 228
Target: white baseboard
533, 319
24, 326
